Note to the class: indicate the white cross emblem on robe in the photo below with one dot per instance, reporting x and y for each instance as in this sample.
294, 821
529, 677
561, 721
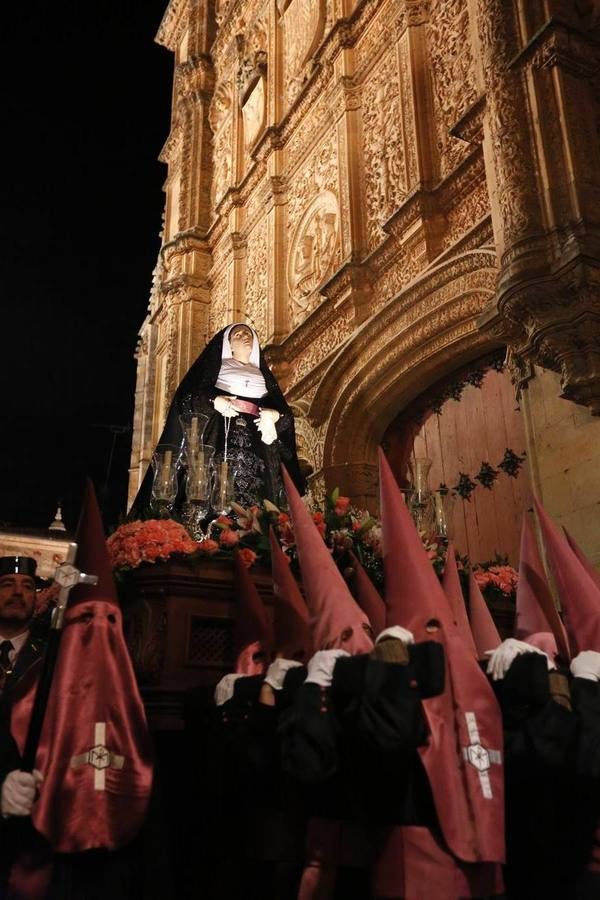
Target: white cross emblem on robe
480, 757
99, 757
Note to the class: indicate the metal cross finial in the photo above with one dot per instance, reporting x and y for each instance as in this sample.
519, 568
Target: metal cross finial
67, 576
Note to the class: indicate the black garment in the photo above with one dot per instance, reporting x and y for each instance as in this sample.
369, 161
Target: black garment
543, 835
248, 844
585, 697
257, 464
352, 748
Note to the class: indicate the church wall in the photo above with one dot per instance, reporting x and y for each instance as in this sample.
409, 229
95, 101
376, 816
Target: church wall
352, 176
565, 439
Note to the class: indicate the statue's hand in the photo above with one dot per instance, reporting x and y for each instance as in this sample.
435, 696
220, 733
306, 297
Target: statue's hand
270, 414
224, 406
266, 425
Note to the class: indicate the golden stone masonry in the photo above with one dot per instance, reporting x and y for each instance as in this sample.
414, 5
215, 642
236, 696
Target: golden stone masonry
386, 190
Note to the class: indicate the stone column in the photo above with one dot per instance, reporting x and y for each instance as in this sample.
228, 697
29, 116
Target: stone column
544, 176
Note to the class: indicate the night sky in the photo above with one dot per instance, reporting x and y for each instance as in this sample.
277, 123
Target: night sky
87, 96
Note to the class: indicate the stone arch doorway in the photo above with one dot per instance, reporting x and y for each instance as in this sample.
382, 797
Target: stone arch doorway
425, 332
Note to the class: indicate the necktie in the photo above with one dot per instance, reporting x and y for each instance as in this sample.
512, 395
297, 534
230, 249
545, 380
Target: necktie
5, 663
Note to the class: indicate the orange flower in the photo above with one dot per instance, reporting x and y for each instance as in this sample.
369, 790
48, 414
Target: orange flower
223, 520
208, 546
247, 556
229, 538
283, 518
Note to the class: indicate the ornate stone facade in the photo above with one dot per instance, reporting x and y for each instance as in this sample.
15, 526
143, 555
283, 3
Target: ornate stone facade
370, 184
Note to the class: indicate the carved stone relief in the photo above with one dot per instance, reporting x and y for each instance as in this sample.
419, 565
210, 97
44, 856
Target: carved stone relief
454, 83
256, 290
220, 118
384, 152
251, 81
254, 113
303, 28
219, 303
312, 251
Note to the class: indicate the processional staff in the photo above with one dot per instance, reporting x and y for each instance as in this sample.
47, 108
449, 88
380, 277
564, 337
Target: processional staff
67, 576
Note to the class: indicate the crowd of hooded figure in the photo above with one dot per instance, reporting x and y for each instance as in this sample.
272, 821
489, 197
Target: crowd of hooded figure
367, 748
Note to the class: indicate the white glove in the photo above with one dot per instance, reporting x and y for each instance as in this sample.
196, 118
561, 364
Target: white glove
225, 406
278, 670
502, 657
321, 666
398, 633
586, 665
270, 414
225, 687
18, 792
266, 425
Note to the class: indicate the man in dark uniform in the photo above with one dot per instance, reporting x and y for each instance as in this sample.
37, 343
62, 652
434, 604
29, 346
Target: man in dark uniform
21, 645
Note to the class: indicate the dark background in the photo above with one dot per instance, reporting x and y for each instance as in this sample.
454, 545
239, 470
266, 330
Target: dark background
86, 107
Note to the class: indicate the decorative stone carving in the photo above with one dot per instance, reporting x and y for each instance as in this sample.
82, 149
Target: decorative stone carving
254, 113
548, 299
303, 27
220, 106
257, 268
385, 163
455, 87
219, 303
311, 253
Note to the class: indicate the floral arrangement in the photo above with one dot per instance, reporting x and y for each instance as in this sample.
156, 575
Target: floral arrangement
148, 541
343, 527
497, 580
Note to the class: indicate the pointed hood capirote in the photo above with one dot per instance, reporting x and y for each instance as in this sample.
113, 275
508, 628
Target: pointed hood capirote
290, 613
536, 612
335, 619
94, 702
413, 594
92, 554
252, 628
466, 714
578, 591
585, 562
453, 591
367, 596
483, 628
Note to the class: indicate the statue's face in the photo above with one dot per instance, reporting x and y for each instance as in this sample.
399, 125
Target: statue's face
241, 340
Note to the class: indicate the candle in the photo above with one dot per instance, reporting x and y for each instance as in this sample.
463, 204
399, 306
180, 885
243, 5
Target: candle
194, 433
223, 484
167, 461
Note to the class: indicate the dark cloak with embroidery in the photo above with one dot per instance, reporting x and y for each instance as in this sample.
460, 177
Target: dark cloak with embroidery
257, 465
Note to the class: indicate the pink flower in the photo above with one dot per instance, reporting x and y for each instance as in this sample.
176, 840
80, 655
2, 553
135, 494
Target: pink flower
247, 556
229, 538
341, 506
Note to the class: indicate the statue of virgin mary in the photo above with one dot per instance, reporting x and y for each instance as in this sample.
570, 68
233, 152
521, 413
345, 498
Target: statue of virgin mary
232, 389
